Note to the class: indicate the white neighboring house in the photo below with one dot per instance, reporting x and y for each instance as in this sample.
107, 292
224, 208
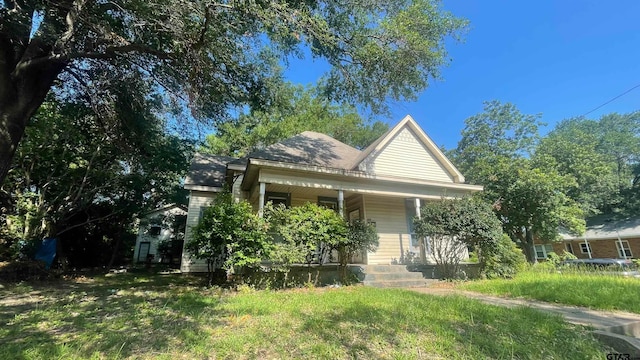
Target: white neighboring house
384, 184
153, 228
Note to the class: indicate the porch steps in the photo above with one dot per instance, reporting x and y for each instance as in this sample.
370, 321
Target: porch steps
390, 276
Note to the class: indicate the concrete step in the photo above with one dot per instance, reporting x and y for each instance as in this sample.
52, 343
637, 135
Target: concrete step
389, 276
385, 276
399, 283
383, 268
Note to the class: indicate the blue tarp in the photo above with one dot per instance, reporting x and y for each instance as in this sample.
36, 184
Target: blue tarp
47, 251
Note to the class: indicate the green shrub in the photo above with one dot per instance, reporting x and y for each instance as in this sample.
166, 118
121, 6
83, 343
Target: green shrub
229, 235
361, 237
502, 260
557, 260
454, 224
304, 234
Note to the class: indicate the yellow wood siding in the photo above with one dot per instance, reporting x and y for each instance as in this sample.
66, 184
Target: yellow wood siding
391, 223
301, 199
197, 200
406, 156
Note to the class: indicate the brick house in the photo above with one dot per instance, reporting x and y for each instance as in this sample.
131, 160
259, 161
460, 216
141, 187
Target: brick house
606, 237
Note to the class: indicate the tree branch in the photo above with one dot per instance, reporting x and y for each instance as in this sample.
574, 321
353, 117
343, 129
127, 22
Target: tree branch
89, 221
70, 19
109, 53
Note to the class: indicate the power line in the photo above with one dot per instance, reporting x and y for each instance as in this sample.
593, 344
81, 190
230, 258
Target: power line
612, 100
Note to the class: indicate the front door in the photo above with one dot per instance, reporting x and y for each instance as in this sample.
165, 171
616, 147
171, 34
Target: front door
143, 252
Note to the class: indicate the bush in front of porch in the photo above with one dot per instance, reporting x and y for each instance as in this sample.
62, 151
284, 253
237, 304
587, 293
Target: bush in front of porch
230, 236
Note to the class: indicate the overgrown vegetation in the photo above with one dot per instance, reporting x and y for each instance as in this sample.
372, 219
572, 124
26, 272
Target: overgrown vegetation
167, 317
501, 260
230, 236
86, 183
539, 185
599, 290
362, 237
452, 225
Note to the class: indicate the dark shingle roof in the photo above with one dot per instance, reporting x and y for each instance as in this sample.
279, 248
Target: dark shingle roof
208, 170
310, 148
609, 227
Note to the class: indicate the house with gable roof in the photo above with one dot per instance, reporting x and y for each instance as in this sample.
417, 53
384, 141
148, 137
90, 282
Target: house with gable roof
384, 184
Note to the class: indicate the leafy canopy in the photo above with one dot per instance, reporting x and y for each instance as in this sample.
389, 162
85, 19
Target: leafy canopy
529, 195
297, 109
603, 156
213, 57
70, 162
499, 133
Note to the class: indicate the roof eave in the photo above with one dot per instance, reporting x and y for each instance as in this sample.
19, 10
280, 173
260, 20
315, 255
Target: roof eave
350, 173
195, 187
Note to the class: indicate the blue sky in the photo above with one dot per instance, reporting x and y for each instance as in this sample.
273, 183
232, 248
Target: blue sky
558, 58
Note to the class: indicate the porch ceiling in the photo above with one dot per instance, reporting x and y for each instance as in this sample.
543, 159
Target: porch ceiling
302, 191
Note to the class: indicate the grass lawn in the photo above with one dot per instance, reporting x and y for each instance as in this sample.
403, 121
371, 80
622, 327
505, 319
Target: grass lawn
137, 316
598, 291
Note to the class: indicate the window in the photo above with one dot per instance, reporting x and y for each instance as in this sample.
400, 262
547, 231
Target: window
625, 250
410, 210
277, 198
585, 248
542, 251
569, 248
154, 230
328, 202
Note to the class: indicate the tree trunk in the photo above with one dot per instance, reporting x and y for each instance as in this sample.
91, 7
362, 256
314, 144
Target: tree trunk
528, 248
24, 84
115, 250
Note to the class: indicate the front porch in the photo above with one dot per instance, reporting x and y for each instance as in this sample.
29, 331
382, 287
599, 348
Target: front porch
391, 215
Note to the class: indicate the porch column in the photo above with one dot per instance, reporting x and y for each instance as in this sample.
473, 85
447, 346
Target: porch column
261, 198
423, 253
588, 248
624, 253
341, 202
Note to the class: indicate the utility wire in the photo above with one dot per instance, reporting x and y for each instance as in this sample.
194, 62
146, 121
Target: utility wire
612, 100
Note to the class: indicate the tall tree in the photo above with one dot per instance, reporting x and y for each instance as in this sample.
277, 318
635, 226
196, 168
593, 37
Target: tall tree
75, 169
212, 55
574, 147
528, 196
500, 133
602, 155
530, 199
297, 109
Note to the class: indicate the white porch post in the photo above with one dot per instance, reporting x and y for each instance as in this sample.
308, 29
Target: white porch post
421, 244
624, 253
588, 248
341, 202
261, 199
